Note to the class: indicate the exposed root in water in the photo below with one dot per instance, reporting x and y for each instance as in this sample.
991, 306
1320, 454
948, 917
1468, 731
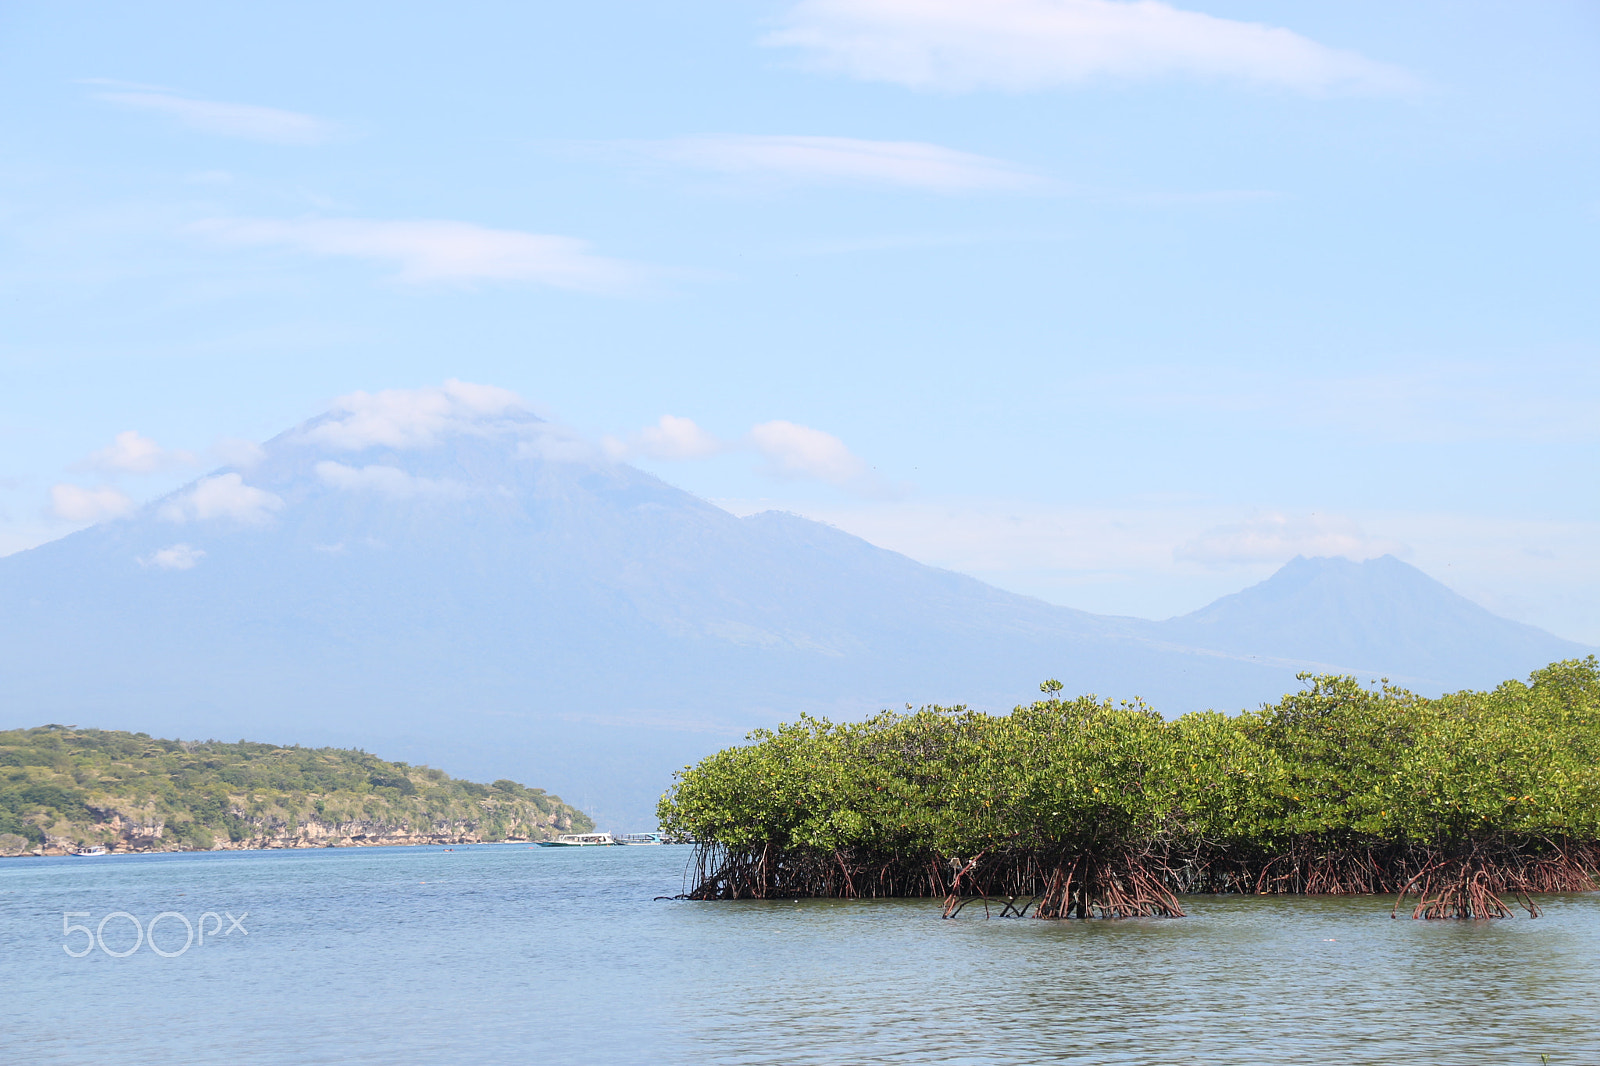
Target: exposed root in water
1123, 886
776, 873
1117, 884
1471, 882
1145, 882
1474, 884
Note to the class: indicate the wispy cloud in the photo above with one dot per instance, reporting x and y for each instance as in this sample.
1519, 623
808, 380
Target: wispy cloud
247, 121
77, 504
223, 496
959, 45
794, 451
670, 438
790, 452
1277, 538
555, 443
133, 453
383, 480
843, 160
412, 418
437, 251
174, 557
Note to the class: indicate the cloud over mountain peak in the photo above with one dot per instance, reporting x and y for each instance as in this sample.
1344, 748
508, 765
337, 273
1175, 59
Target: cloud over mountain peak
415, 418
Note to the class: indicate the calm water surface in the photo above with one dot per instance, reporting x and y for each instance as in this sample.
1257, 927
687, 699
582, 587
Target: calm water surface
511, 954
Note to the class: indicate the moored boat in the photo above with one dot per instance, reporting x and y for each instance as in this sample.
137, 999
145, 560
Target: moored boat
579, 840
95, 850
641, 838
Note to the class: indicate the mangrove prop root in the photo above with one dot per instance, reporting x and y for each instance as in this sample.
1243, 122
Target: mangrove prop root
1480, 881
1120, 884
1474, 885
772, 872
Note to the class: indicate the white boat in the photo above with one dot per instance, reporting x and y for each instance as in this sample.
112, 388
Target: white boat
580, 840
96, 850
641, 838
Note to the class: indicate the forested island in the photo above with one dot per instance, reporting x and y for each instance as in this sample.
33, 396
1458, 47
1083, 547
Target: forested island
63, 788
1468, 804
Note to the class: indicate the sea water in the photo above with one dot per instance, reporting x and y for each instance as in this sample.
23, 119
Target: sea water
513, 954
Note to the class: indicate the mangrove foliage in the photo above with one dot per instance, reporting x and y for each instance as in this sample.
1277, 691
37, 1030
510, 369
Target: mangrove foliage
1086, 807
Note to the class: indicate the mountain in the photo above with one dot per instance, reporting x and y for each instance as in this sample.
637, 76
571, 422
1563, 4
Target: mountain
445, 577
1380, 617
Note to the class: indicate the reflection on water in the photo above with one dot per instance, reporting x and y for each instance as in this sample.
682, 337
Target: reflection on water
506, 954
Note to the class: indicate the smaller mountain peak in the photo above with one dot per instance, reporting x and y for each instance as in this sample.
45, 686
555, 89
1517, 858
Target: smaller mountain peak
1381, 615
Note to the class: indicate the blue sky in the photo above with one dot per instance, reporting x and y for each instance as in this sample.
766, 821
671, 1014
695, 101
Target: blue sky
1119, 305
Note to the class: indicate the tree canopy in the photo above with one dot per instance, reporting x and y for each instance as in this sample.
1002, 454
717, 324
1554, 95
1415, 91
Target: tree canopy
1337, 787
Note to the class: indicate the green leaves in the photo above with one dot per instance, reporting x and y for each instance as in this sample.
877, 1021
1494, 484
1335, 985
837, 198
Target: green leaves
1335, 762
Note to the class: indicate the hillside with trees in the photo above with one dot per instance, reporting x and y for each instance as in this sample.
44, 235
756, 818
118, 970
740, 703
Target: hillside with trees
62, 788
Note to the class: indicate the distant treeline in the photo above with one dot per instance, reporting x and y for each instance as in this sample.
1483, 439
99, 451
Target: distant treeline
62, 787
1087, 807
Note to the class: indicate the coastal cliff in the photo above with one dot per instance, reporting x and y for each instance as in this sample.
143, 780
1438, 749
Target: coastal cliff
63, 788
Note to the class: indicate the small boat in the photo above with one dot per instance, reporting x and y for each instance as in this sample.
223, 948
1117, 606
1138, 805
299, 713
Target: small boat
641, 838
579, 840
96, 850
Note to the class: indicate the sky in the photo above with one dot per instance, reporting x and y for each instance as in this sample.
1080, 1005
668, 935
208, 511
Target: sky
1121, 305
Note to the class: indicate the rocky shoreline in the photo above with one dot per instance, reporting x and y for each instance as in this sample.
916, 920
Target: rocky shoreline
131, 837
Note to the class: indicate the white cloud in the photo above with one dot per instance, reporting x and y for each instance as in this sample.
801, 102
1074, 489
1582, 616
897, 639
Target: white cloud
1276, 538
795, 451
1034, 44
223, 496
670, 438
134, 453
412, 418
437, 251
77, 504
910, 164
175, 557
792, 451
557, 444
384, 480
248, 121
